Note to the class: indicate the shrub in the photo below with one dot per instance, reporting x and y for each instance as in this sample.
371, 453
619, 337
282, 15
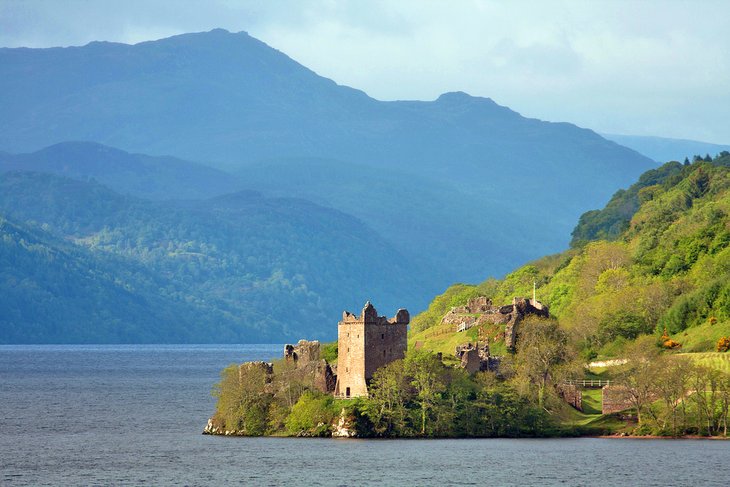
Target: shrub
242, 401
668, 342
622, 324
312, 415
723, 344
329, 352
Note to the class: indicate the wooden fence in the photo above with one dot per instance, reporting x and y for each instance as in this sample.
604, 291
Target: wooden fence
595, 383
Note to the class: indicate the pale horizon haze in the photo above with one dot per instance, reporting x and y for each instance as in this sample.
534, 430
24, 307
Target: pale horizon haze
650, 67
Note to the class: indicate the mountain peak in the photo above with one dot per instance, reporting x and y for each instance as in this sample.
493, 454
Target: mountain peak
219, 30
79, 147
462, 97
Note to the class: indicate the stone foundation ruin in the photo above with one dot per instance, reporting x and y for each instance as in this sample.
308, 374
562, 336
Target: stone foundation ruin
476, 359
481, 311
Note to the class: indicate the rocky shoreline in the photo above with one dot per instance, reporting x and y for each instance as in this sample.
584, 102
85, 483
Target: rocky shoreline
342, 428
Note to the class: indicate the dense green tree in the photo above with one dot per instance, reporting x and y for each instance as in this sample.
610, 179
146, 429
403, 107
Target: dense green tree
312, 415
390, 394
243, 401
639, 376
624, 324
542, 347
427, 375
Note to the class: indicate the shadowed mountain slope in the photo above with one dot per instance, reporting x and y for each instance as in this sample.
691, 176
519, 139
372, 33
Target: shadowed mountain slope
235, 268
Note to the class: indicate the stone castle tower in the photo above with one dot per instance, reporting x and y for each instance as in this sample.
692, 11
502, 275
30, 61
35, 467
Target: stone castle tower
366, 343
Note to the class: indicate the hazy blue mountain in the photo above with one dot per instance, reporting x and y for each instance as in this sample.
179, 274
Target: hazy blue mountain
235, 268
229, 98
663, 149
134, 174
456, 230
454, 233
225, 97
457, 188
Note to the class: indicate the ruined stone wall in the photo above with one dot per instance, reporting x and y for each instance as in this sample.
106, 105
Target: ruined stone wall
474, 357
572, 395
480, 311
470, 361
520, 309
615, 399
309, 367
480, 304
303, 352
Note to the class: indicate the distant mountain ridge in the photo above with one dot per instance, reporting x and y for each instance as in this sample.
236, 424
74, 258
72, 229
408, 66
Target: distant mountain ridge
160, 97
664, 149
136, 174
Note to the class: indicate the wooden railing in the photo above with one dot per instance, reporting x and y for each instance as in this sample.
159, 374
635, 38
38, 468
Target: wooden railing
597, 383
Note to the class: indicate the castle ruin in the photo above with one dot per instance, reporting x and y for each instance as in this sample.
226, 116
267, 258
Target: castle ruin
309, 367
364, 344
479, 311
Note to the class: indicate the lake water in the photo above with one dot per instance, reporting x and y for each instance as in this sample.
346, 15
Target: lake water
115, 415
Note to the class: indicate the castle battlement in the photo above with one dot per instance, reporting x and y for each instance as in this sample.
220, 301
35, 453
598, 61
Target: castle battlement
369, 315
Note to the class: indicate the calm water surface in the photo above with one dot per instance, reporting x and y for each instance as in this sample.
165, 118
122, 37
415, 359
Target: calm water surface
111, 415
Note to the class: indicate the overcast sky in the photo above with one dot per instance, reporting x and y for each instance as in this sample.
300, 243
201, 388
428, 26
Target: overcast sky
631, 67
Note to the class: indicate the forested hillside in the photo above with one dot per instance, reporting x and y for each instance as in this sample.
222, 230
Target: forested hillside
56, 292
235, 268
656, 257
